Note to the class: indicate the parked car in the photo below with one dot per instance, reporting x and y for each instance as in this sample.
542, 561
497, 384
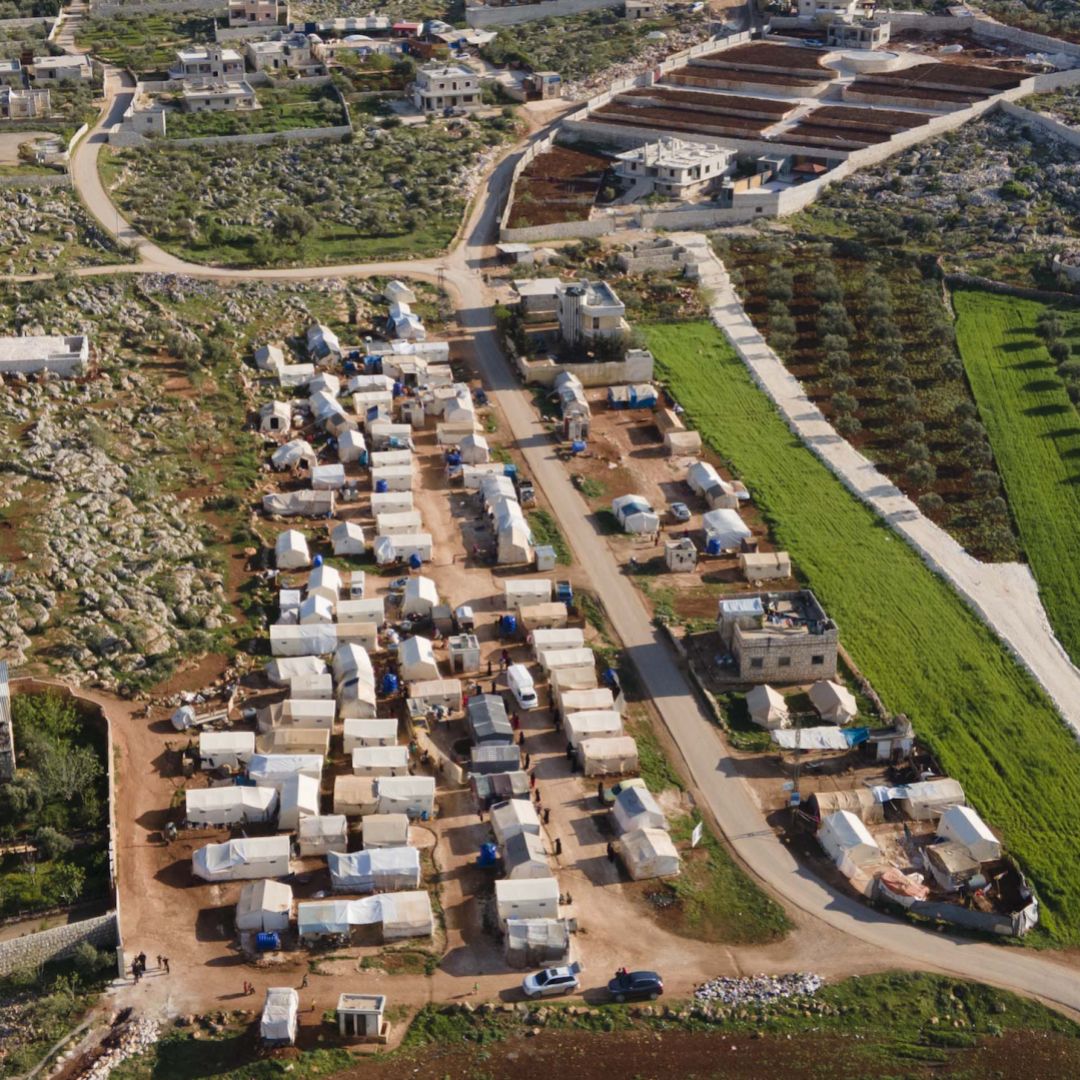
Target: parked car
521, 686
634, 985
552, 981
679, 511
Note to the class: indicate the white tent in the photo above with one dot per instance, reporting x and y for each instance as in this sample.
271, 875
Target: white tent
295, 454
225, 749
512, 817
524, 857
324, 405
375, 870
416, 660
299, 712
598, 698
325, 381
406, 545
269, 357
315, 610
929, 799
278, 1022
275, 416
399, 523
348, 539
232, 805
549, 616
380, 761
592, 724
270, 770
582, 660
635, 515
834, 702
352, 662
291, 550
375, 732
513, 539
431, 693
356, 699
608, 757
406, 915
411, 795
635, 808
526, 898
351, 446
391, 502
847, 841
299, 797
325, 580
385, 830
474, 450
724, 529
294, 375
963, 825
372, 610
421, 595
701, 476
237, 860
565, 637
391, 457
291, 739
649, 853
315, 639
384, 550
575, 678
298, 503
767, 707
321, 834
328, 477
264, 905
311, 688
398, 292
354, 796
402, 915
395, 477
282, 670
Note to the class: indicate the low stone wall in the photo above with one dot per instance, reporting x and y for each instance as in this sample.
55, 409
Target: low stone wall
480, 15
259, 138
138, 7
1056, 128
33, 950
605, 373
36, 180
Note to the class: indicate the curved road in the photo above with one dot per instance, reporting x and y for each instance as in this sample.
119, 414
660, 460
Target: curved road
705, 756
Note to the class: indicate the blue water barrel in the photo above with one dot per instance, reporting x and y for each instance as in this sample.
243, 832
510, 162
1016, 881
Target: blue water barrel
381, 486
508, 624
399, 388
389, 683
415, 562
488, 855
363, 458
578, 446
453, 458
510, 470
712, 545
317, 561
267, 941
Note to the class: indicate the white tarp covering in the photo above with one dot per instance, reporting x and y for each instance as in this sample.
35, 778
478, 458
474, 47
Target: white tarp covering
474, 450
375, 870
352, 662
269, 770
402, 914
649, 853
847, 841
322, 834
278, 1023
421, 595
235, 860
810, 738
635, 515
264, 906
293, 453
701, 476
929, 799
512, 817
299, 797
963, 825
281, 671
299, 503
412, 795
351, 446
328, 477
230, 805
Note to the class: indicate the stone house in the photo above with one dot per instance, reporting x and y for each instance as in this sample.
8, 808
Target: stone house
445, 86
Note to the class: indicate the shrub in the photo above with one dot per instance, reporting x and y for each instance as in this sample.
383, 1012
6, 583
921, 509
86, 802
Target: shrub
931, 502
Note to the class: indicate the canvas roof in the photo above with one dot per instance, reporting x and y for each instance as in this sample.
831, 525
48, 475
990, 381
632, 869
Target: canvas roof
649, 853
963, 825
259, 899
832, 699
278, 1021
386, 828
514, 816
364, 871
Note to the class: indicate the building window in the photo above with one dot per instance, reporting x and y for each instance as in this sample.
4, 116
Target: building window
756, 663
817, 660
784, 661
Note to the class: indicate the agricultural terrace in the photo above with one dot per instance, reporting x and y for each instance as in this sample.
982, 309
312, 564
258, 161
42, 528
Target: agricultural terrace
910, 634
1035, 432
1063, 105
143, 42
127, 547
55, 812
560, 185
283, 109
48, 228
865, 329
397, 192
995, 197
580, 46
14, 41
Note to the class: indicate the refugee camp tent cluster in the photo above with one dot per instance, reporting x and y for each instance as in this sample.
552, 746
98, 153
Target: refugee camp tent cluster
645, 845
497, 495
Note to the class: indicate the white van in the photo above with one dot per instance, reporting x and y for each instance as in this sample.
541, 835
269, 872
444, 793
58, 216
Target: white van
521, 686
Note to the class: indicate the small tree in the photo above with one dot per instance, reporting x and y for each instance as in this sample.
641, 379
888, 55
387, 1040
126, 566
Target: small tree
1059, 352
931, 502
847, 425
986, 481
921, 474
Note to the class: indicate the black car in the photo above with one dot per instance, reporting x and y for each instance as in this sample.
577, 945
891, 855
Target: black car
631, 985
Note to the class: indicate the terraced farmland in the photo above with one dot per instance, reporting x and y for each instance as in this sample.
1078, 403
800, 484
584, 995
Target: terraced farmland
925, 652
1035, 432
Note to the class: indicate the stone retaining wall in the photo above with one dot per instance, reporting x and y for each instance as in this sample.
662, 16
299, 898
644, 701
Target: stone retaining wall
1056, 128
258, 138
33, 950
480, 15
38, 180
982, 26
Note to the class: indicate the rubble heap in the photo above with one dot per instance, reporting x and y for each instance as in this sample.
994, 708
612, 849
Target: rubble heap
759, 989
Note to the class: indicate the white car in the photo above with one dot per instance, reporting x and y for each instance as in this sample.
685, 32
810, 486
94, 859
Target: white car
552, 981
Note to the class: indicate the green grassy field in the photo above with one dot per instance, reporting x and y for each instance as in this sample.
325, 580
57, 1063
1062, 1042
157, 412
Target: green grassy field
912, 636
1035, 432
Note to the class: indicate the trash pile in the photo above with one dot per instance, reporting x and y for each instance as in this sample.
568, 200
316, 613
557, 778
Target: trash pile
759, 989
136, 1037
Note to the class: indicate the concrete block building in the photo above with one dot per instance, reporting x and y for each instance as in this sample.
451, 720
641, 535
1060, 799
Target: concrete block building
779, 637
674, 167
258, 12
588, 310
445, 86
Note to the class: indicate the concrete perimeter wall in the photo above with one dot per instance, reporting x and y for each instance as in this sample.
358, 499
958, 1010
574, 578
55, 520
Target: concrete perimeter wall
141, 7
1056, 128
983, 26
604, 373
481, 15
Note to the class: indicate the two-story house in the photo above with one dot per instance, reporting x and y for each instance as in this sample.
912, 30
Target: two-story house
258, 12
446, 86
588, 310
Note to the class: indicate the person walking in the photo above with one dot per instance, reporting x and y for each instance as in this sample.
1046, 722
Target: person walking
159, 963
303, 982
558, 846
528, 759
547, 814
610, 851
165, 961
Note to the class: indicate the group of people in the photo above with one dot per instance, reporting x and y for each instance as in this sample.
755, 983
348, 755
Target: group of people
138, 966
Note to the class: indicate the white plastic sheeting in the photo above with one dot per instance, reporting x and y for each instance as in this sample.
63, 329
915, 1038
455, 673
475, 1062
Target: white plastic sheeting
375, 870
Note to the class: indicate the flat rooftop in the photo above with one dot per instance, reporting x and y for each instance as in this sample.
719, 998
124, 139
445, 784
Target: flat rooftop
37, 347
